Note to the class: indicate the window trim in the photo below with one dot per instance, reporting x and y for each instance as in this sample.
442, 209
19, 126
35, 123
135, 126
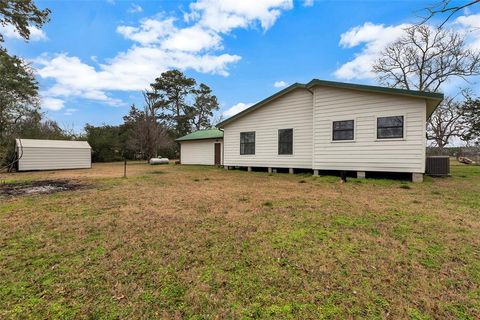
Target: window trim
354, 119
254, 143
404, 138
293, 143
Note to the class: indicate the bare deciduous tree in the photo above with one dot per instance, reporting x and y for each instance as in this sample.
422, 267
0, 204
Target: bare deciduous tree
445, 7
444, 123
146, 135
425, 58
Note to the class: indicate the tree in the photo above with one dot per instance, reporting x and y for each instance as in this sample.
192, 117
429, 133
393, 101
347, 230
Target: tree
146, 136
205, 104
425, 58
445, 7
168, 95
471, 121
107, 142
18, 91
22, 14
19, 103
444, 123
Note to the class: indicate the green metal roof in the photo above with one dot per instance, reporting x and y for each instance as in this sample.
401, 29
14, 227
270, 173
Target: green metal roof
433, 99
202, 135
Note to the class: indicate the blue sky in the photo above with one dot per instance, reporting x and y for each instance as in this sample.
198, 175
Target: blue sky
94, 57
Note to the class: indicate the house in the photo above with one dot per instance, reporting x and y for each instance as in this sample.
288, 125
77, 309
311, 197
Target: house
202, 147
35, 154
325, 125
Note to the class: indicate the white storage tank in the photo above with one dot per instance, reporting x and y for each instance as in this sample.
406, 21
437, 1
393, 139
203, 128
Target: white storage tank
36, 154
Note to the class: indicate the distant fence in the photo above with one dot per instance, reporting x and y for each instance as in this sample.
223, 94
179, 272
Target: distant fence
472, 153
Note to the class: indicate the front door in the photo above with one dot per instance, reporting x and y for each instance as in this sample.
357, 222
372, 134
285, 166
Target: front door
218, 154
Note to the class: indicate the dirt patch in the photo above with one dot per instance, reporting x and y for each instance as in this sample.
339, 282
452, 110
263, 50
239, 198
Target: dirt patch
39, 187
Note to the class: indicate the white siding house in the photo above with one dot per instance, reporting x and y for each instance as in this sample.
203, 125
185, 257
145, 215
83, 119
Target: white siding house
34, 154
203, 147
326, 125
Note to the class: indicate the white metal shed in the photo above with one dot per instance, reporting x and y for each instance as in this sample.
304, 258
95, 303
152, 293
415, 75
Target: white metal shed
35, 154
203, 147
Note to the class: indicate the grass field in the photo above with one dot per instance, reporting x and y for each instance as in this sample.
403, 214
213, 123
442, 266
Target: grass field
192, 242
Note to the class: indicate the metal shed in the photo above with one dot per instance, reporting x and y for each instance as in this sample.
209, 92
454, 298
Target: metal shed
35, 154
202, 147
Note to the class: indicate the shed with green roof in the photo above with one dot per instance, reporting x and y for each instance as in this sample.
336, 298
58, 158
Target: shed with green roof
203, 147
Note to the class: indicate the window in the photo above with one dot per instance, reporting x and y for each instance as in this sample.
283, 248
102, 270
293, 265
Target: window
343, 130
247, 142
390, 127
285, 141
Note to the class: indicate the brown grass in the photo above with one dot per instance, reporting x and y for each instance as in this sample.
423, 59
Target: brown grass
204, 243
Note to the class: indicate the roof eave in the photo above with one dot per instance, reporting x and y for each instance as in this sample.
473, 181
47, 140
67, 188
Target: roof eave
376, 89
194, 139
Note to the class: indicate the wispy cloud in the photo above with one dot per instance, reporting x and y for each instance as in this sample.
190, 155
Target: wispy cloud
70, 111
374, 38
135, 8
53, 104
36, 34
279, 84
239, 107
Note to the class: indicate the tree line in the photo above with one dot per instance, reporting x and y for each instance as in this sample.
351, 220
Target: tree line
173, 106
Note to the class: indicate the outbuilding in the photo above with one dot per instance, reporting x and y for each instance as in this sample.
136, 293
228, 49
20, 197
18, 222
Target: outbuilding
202, 147
35, 154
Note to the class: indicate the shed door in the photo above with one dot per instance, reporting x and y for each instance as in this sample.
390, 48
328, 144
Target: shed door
218, 154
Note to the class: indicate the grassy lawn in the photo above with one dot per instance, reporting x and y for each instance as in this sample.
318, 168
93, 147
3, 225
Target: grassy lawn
192, 242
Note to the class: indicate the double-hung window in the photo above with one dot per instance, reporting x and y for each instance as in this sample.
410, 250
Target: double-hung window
285, 141
247, 142
390, 127
343, 130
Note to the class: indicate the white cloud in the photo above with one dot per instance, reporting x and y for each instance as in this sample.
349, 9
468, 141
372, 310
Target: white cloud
279, 84
239, 107
374, 38
151, 31
159, 45
471, 24
193, 39
54, 104
223, 16
135, 8
36, 34
308, 3
70, 111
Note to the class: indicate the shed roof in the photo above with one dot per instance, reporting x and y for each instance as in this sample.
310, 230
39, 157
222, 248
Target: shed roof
202, 135
432, 99
64, 144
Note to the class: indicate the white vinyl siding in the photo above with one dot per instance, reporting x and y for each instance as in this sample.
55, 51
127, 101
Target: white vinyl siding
199, 151
53, 155
366, 152
293, 110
